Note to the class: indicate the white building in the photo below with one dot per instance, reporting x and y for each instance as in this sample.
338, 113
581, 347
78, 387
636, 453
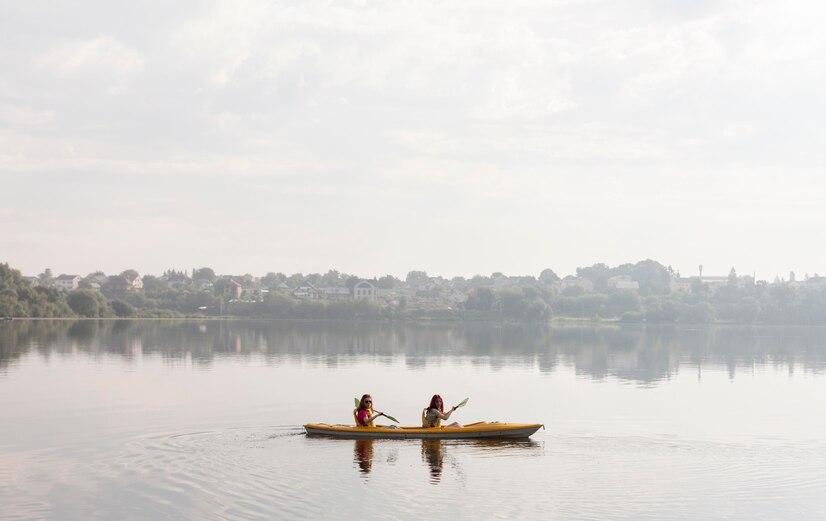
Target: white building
570, 281
233, 289
67, 282
623, 282
716, 282
712, 282
306, 290
681, 283
336, 293
364, 290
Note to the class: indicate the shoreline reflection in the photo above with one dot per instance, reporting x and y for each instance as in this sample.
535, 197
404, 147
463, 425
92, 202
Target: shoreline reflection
641, 353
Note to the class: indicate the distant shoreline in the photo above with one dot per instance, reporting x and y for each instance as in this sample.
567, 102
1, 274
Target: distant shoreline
556, 322
643, 293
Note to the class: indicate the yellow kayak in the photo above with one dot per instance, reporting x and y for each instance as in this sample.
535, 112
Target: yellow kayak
469, 431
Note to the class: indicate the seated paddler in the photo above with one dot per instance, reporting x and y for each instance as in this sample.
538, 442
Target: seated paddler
364, 413
433, 415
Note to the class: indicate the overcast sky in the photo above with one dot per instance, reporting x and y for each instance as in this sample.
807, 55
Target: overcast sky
381, 137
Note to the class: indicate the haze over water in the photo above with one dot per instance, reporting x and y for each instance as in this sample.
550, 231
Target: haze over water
171, 420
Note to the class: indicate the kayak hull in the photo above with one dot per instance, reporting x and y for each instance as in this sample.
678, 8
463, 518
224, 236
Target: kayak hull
472, 431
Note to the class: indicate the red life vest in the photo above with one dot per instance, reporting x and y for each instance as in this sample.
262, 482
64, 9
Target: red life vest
369, 413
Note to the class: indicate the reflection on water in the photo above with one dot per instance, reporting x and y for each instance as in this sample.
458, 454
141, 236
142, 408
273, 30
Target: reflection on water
436, 453
174, 420
638, 353
433, 455
363, 455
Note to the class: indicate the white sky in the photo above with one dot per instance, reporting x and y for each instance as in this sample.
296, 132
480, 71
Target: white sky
381, 137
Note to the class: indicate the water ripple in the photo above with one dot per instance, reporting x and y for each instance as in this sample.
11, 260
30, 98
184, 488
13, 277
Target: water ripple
267, 472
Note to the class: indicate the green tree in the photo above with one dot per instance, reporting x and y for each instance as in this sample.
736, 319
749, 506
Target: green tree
387, 282
12, 287
351, 282
123, 309
537, 311
152, 284
653, 277
331, 278
747, 310
416, 276
11, 306
295, 280
480, 299
85, 303
699, 313
622, 301
698, 288
548, 276
218, 287
573, 291
480, 280
272, 280
512, 303
47, 302
660, 310
314, 279
204, 274
598, 274
732, 277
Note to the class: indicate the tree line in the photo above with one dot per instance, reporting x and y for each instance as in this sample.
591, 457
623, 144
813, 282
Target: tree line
740, 300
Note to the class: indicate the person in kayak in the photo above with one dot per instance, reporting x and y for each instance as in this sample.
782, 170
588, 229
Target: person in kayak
433, 415
364, 414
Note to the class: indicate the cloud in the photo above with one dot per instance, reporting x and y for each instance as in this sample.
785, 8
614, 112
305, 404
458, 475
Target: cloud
382, 116
26, 117
102, 54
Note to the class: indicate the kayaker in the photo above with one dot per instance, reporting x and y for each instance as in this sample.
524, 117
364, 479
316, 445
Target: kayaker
433, 415
364, 414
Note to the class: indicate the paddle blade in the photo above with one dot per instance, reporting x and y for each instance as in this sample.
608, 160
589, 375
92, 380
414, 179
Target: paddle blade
463, 403
358, 402
391, 418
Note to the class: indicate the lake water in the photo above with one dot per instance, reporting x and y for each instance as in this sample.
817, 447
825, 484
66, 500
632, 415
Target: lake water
202, 420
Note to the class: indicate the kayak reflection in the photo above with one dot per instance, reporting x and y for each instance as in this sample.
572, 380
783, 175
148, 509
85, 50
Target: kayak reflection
432, 455
436, 453
363, 455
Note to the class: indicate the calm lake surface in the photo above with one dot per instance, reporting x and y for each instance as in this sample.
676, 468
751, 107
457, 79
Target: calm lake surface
202, 420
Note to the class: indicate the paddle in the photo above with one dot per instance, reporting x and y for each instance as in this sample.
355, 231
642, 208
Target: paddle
358, 402
462, 404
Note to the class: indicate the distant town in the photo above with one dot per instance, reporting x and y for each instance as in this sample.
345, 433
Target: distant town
646, 291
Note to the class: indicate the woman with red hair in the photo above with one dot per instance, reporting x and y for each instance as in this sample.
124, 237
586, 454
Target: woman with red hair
433, 415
